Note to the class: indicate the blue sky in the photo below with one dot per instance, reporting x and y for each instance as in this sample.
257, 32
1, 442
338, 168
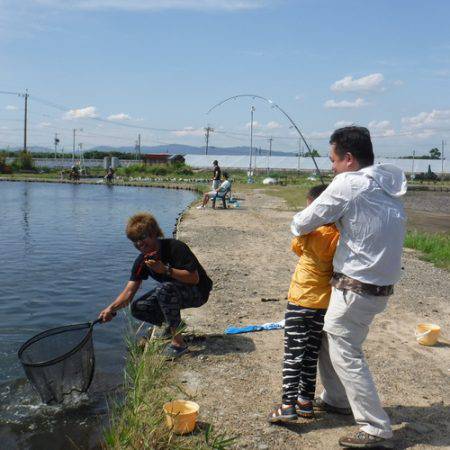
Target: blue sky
119, 67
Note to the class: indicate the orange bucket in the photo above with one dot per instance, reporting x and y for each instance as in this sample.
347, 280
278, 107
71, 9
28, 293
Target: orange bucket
427, 333
181, 416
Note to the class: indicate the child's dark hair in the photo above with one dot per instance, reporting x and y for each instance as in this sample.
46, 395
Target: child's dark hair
315, 191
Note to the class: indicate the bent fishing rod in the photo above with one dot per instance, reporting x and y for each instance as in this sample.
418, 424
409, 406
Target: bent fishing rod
274, 105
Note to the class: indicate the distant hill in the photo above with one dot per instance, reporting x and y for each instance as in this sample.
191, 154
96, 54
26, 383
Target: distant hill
175, 149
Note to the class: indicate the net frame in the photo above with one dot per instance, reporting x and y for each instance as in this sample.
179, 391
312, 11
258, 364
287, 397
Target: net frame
30, 365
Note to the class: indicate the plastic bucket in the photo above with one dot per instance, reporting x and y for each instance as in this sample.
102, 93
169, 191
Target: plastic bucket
181, 415
427, 333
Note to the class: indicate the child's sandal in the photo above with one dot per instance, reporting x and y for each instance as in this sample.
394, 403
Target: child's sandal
280, 414
305, 409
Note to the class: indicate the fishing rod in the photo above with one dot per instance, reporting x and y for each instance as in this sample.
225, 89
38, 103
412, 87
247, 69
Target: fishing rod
274, 105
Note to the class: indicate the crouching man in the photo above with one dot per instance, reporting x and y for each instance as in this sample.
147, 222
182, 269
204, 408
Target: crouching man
182, 281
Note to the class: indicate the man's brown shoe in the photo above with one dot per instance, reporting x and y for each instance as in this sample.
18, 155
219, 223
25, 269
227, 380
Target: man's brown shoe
320, 405
361, 439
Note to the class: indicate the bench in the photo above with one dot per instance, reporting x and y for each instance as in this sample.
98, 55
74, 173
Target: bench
225, 195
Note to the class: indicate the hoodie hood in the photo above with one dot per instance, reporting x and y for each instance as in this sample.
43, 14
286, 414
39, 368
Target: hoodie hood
390, 178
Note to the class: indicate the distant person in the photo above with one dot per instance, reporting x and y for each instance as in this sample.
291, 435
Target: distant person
217, 174
109, 177
226, 185
182, 281
308, 299
364, 202
74, 173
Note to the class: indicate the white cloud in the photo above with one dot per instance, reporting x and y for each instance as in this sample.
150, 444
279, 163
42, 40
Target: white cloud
120, 117
256, 124
273, 125
44, 125
299, 97
381, 128
432, 119
342, 123
11, 108
82, 113
371, 82
426, 124
155, 5
398, 83
189, 131
358, 103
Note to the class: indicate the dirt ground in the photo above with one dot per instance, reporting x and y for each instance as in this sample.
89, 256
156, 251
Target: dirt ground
236, 379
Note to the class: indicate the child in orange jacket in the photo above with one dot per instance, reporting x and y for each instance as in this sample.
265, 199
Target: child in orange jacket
308, 298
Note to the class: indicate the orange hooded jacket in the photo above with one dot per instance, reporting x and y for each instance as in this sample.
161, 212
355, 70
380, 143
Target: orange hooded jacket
310, 284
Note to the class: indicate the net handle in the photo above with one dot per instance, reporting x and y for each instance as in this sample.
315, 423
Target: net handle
96, 321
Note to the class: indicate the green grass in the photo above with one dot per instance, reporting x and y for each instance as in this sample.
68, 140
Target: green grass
138, 421
435, 248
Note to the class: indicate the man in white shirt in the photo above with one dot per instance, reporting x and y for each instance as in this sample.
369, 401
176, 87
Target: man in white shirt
364, 202
221, 190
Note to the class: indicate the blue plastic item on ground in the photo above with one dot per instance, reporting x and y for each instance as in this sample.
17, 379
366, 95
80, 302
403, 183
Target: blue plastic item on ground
252, 328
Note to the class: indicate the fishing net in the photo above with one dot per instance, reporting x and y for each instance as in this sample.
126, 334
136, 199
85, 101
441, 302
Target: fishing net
60, 361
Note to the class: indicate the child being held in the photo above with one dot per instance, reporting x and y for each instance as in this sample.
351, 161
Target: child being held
308, 298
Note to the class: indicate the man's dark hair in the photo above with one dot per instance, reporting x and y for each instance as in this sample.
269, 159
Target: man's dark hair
315, 191
354, 140
215, 162
225, 174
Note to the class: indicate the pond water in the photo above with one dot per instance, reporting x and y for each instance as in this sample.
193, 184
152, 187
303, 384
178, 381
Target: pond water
64, 257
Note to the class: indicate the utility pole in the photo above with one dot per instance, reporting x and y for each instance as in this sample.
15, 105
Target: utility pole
56, 144
252, 110
208, 130
26, 95
80, 148
73, 143
270, 153
138, 147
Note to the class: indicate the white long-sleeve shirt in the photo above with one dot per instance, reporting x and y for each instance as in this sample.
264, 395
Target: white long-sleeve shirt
367, 210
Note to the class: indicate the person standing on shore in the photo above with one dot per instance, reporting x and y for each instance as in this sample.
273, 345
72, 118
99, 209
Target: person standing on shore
217, 175
364, 202
182, 281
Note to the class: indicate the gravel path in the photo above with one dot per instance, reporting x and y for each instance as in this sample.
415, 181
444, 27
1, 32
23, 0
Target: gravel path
236, 379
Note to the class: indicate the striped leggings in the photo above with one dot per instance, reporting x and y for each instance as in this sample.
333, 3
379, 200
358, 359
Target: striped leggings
302, 339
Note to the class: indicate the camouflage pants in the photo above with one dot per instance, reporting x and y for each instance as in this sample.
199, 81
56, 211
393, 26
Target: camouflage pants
164, 303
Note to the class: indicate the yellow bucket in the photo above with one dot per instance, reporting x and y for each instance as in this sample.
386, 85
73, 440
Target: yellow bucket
427, 333
181, 416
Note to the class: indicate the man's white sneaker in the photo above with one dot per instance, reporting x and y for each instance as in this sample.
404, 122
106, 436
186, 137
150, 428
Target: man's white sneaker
200, 207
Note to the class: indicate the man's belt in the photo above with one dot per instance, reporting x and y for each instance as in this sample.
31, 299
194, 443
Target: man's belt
343, 282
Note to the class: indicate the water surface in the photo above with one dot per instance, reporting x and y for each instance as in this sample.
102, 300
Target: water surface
63, 257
